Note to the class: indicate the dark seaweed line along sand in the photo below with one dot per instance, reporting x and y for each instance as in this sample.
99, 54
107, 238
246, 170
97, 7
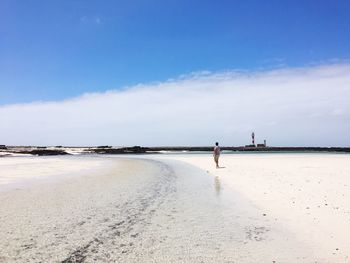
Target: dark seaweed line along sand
139, 211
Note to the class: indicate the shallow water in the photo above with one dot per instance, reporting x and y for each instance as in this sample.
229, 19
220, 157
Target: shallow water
140, 211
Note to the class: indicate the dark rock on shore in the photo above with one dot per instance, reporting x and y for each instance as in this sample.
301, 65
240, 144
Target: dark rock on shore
136, 149
44, 152
106, 150
126, 150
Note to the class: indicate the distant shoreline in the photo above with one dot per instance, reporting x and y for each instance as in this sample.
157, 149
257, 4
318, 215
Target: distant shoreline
60, 150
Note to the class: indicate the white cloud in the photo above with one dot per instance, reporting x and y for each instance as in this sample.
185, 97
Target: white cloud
292, 107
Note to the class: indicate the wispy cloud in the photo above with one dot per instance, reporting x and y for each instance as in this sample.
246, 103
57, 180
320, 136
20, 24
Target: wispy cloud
291, 106
274, 60
97, 20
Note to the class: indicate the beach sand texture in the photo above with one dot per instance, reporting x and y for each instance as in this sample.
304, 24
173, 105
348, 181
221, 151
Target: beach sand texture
176, 208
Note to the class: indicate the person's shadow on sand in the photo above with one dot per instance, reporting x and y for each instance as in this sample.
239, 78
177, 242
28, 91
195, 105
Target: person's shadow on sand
220, 167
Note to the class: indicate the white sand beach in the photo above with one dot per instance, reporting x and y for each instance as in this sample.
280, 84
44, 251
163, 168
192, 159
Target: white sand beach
305, 195
175, 208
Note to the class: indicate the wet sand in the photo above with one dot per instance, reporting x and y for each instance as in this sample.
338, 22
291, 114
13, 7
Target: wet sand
307, 196
19, 171
178, 208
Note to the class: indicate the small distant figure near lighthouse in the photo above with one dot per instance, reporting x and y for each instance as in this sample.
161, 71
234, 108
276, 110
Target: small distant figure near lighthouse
253, 138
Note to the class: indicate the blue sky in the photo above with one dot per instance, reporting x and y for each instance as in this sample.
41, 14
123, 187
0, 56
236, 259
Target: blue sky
54, 50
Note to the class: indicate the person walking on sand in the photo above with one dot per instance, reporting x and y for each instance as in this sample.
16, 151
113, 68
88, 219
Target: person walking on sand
216, 154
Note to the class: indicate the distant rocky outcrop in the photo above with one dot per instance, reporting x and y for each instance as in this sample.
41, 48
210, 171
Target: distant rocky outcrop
44, 152
125, 150
148, 150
